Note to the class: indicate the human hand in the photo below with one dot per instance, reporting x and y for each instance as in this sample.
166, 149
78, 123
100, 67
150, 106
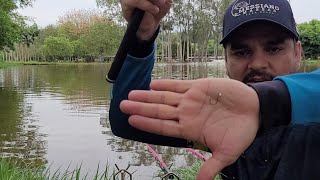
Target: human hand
221, 114
155, 10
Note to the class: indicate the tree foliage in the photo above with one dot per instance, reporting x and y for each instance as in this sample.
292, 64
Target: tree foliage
10, 29
310, 38
188, 27
112, 10
28, 34
191, 30
57, 48
102, 39
75, 23
23, 3
88, 33
50, 30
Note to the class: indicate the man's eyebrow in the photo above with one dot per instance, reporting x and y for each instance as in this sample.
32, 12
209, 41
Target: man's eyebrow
236, 45
277, 41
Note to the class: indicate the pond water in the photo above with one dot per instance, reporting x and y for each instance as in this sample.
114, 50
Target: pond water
57, 116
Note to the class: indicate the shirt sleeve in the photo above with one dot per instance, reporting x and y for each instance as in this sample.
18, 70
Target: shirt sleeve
304, 89
135, 74
275, 104
289, 99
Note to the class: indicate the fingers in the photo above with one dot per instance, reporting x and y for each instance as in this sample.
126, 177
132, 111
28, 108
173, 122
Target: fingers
209, 169
157, 2
177, 86
156, 126
158, 97
159, 111
144, 5
213, 166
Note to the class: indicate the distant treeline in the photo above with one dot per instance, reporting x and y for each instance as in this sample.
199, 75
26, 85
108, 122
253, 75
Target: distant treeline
191, 32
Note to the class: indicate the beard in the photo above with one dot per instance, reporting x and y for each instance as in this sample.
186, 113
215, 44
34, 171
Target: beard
257, 76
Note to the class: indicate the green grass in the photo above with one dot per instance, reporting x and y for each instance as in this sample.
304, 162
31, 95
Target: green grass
10, 170
190, 172
311, 61
6, 64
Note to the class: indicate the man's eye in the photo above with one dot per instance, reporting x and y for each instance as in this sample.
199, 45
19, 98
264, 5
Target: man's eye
241, 53
274, 49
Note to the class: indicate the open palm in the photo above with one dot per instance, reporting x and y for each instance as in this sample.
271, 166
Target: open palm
221, 114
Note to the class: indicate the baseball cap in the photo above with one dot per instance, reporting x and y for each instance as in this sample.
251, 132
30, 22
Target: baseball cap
240, 12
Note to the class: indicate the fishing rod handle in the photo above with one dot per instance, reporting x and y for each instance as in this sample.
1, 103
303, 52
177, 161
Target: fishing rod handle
122, 52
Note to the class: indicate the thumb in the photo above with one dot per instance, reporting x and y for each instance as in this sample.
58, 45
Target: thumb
212, 167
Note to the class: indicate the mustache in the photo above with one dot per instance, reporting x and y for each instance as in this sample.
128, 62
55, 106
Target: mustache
250, 77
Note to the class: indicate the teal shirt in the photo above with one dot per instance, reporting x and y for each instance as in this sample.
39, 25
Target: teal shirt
304, 90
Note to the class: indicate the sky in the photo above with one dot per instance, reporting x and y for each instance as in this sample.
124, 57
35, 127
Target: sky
46, 12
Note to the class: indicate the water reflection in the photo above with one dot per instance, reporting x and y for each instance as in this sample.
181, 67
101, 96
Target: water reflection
189, 71
57, 115
19, 137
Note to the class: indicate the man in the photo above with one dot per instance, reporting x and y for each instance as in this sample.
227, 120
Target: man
261, 43
224, 115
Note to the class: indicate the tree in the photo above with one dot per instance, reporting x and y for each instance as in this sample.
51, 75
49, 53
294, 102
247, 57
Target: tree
75, 23
310, 38
57, 48
23, 3
79, 49
112, 10
10, 22
102, 39
190, 21
9, 30
50, 30
28, 34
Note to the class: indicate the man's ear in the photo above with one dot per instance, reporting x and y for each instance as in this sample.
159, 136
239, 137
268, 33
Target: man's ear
299, 54
225, 55
226, 62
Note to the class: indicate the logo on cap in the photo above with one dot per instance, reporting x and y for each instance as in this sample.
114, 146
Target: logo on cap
244, 7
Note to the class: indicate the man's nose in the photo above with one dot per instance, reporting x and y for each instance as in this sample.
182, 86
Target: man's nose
258, 61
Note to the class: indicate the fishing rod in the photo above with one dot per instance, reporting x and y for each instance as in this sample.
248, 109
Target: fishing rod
196, 153
168, 174
115, 68
122, 52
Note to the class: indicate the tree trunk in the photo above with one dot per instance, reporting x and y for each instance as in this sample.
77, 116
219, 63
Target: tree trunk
162, 48
180, 51
156, 53
169, 48
191, 54
184, 50
6, 54
10, 55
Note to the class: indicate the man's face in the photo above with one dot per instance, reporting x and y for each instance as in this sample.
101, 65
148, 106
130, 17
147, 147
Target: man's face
260, 51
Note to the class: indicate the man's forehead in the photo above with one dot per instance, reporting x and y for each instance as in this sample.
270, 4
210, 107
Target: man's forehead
268, 32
